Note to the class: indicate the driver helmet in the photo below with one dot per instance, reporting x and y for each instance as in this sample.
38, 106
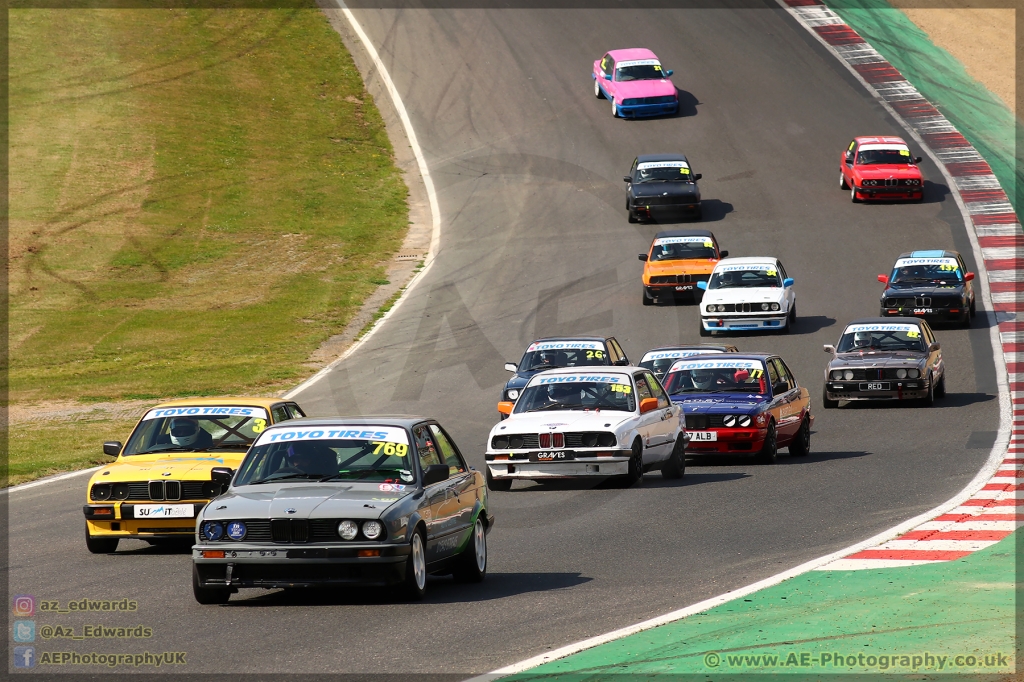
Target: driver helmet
862, 339
702, 378
561, 394
184, 431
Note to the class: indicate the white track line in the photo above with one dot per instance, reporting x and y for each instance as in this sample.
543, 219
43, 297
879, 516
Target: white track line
995, 458
44, 481
428, 184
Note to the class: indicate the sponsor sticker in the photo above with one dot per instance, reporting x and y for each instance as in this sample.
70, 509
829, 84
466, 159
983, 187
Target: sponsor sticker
943, 263
206, 411
889, 147
854, 328
672, 354
706, 241
391, 487
576, 378
683, 365
384, 434
746, 267
638, 62
164, 511
566, 345
662, 164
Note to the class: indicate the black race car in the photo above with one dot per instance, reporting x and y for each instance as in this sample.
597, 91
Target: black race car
562, 351
930, 284
661, 183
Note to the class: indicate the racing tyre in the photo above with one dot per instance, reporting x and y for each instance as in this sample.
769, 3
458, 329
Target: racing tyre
415, 585
929, 400
699, 215
940, 390
636, 467
801, 445
471, 566
208, 595
703, 331
597, 89
100, 545
853, 195
770, 449
647, 299
500, 485
966, 322
615, 109
629, 214
973, 311
826, 403
675, 467
842, 178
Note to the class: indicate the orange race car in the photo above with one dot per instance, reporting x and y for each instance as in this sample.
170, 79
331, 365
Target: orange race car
677, 260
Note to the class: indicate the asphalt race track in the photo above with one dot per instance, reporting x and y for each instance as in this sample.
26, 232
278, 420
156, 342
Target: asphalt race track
528, 168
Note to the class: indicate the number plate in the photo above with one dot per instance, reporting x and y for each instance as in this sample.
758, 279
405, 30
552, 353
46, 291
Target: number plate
875, 386
164, 511
552, 456
922, 311
703, 436
684, 287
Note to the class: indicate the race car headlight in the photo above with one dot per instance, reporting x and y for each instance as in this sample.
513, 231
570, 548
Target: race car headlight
513, 394
901, 374
236, 530
848, 374
710, 308
730, 420
765, 306
100, 491
775, 306
913, 373
721, 308
213, 530
744, 420
914, 181
837, 374
499, 442
606, 440
869, 183
348, 530
121, 491
372, 529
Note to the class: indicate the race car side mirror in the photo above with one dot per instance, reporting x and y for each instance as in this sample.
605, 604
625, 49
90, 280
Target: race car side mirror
849, 157
969, 276
668, 73
642, 256
725, 254
623, 362
788, 282
829, 349
626, 178
934, 347
883, 279
607, 76
917, 159
505, 407
435, 473
511, 366
698, 176
703, 286
112, 448
222, 475
648, 404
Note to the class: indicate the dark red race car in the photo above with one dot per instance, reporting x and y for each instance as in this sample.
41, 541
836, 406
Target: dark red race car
880, 168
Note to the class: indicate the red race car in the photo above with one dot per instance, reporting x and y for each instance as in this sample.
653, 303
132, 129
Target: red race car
880, 168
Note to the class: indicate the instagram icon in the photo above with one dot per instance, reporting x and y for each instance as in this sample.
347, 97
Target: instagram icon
24, 605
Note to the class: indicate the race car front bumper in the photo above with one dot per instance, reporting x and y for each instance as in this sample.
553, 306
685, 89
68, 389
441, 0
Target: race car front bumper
726, 440
643, 110
889, 193
723, 323
253, 565
117, 520
673, 290
932, 313
885, 389
576, 464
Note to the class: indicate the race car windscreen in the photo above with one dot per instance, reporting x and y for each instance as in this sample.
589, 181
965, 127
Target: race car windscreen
740, 277
551, 356
646, 173
869, 157
881, 337
578, 393
660, 362
910, 272
197, 429
716, 376
639, 72
372, 454
683, 249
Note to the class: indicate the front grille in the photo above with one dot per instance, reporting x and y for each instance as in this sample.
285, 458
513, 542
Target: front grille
696, 422
678, 279
664, 99
289, 530
324, 530
165, 490
181, 490
516, 441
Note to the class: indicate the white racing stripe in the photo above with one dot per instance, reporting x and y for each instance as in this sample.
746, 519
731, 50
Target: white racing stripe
48, 479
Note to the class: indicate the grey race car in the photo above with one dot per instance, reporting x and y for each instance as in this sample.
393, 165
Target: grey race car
340, 501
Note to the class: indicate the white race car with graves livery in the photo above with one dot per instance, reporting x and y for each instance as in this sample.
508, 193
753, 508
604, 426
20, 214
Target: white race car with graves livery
747, 294
588, 421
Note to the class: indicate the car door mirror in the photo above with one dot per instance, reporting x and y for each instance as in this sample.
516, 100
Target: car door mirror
648, 404
704, 285
934, 347
829, 349
622, 362
505, 407
724, 254
917, 159
222, 475
112, 448
969, 276
883, 279
849, 158
626, 178
698, 176
788, 282
607, 76
642, 256
668, 73
511, 366
435, 473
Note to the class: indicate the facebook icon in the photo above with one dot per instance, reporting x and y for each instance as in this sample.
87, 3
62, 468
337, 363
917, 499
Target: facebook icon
24, 657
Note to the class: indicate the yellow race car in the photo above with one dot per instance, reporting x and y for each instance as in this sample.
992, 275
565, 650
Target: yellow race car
180, 455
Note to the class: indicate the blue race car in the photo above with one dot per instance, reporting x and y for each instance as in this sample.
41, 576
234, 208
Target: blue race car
741, 403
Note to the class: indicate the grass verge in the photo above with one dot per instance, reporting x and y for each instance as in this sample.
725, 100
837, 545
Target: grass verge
41, 449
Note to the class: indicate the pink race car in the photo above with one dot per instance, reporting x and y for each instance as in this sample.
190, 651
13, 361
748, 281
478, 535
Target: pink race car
635, 83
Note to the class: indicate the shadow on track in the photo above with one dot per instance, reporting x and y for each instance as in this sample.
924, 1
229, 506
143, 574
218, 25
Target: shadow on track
804, 325
951, 400
748, 460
